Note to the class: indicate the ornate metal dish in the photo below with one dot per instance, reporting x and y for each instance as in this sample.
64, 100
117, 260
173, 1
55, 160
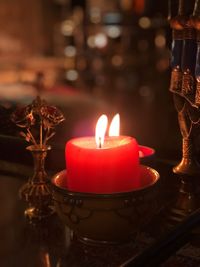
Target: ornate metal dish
107, 218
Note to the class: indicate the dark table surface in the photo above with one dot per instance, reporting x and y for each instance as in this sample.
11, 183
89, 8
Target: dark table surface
51, 244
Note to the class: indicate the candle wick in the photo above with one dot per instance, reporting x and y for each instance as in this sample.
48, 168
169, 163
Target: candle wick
100, 142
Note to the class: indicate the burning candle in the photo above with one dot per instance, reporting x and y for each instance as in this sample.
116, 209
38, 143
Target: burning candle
103, 165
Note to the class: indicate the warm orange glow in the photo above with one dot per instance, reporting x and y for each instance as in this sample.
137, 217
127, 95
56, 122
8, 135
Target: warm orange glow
114, 126
139, 6
101, 127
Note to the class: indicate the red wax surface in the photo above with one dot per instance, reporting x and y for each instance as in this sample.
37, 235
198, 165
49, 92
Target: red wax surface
145, 151
112, 168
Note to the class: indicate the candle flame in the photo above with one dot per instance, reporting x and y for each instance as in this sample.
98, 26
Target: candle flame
101, 127
114, 126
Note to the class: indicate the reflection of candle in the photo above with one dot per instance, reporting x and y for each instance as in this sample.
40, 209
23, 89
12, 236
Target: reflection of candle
112, 168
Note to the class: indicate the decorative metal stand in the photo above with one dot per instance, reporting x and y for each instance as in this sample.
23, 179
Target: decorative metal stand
38, 121
185, 90
37, 191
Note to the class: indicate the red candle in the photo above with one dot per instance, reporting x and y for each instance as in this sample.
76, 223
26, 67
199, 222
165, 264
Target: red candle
112, 168
95, 165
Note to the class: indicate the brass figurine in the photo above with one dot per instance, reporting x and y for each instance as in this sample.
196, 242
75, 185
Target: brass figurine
38, 121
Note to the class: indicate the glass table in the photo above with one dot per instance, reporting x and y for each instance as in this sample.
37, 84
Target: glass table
51, 244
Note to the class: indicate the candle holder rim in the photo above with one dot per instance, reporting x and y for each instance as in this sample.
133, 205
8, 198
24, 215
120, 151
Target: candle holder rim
106, 195
38, 147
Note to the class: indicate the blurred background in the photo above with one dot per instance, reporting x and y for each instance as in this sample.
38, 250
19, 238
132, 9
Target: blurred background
89, 57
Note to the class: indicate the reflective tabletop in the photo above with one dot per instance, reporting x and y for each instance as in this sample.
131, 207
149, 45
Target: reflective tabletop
51, 244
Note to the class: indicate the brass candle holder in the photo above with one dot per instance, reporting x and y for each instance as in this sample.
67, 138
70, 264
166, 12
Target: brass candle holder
38, 121
107, 218
185, 89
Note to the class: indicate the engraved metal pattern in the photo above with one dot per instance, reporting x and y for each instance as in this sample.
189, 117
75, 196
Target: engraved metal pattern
189, 122
143, 205
189, 32
71, 206
189, 168
186, 98
197, 96
37, 191
188, 84
38, 121
186, 102
187, 148
106, 217
176, 81
177, 34
133, 208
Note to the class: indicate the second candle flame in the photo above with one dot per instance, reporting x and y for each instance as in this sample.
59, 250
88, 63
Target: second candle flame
114, 126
